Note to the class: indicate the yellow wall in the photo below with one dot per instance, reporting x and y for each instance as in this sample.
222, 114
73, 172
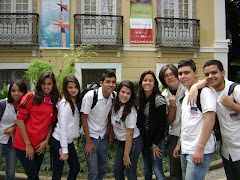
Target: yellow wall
133, 62
205, 12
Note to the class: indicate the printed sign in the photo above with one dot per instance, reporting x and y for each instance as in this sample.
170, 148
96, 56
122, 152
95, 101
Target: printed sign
54, 24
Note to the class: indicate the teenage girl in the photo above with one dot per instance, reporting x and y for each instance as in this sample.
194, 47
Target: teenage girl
152, 124
16, 91
124, 119
36, 114
67, 128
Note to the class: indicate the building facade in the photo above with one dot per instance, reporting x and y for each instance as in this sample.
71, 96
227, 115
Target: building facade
129, 36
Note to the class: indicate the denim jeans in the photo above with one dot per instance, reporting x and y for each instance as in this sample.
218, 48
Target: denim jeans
97, 164
57, 164
10, 157
31, 167
192, 171
150, 162
232, 169
175, 163
119, 167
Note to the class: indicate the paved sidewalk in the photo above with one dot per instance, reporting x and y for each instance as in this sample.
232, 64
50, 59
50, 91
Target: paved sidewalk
216, 172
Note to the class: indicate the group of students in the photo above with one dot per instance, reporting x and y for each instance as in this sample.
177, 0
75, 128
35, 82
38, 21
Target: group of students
44, 116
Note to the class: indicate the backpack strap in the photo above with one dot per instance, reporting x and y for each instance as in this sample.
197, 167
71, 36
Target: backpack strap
95, 98
199, 106
231, 88
2, 107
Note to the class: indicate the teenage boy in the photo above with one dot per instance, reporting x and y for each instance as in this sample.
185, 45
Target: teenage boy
197, 140
95, 125
173, 94
228, 112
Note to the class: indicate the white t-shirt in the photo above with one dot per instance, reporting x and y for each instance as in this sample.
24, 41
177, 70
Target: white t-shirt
9, 119
229, 124
67, 127
98, 116
175, 127
120, 127
192, 122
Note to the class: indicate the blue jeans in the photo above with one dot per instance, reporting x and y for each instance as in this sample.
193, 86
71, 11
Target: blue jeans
57, 164
150, 162
119, 167
192, 171
11, 158
97, 164
232, 169
31, 167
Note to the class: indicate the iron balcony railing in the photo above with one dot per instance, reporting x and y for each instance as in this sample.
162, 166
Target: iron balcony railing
17, 29
98, 29
176, 32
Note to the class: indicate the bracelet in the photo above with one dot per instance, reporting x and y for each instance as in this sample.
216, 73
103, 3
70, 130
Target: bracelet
172, 106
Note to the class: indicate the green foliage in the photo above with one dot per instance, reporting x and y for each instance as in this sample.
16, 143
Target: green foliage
236, 63
36, 68
68, 66
4, 91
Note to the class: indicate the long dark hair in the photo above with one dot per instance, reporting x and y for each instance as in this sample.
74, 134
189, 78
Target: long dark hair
129, 104
38, 93
21, 85
66, 81
142, 100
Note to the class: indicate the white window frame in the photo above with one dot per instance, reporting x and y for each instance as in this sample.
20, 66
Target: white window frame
80, 66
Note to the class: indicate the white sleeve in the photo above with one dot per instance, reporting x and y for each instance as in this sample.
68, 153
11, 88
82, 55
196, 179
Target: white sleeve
87, 102
131, 119
208, 100
64, 113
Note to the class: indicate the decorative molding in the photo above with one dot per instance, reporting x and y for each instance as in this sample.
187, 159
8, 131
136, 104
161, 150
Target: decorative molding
139, 48
80, 66
14, 65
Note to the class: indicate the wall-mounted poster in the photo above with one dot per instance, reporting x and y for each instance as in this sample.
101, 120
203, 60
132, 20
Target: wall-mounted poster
141, 22
54, 24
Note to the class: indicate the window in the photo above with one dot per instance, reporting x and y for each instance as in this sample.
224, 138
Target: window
103, 7
15, 6
15, 26
99, 29
176, 24
87, 73
11, 71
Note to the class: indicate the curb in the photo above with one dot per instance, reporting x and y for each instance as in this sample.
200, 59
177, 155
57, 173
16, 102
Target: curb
20, 176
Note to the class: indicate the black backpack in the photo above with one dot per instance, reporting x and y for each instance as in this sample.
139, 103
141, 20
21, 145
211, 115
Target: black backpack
216, 127
94, 86
2, 107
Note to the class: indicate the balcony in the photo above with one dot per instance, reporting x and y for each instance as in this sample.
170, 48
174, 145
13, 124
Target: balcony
19, 31
102, 31
177, 33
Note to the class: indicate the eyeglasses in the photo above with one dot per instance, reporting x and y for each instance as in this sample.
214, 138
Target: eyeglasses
169, 75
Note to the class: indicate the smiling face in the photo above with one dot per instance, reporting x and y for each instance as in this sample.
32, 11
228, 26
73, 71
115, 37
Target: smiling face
148, 83
170, 79
72, 89
124, 95
16, 93
187, 76
47, 86
108, 86
214, 77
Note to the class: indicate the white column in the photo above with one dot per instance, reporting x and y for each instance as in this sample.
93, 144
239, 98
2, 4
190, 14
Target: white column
220, 43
